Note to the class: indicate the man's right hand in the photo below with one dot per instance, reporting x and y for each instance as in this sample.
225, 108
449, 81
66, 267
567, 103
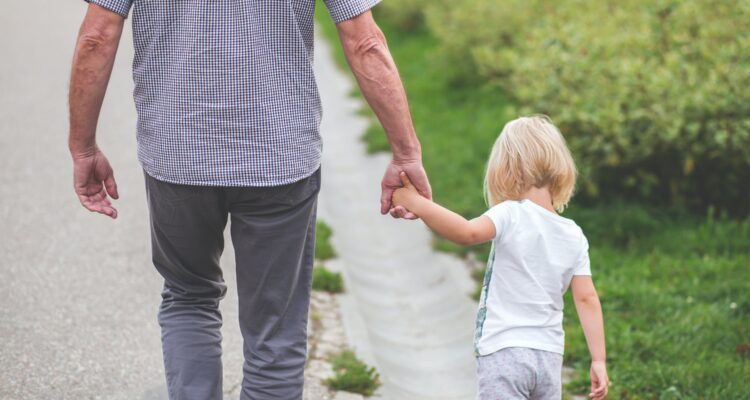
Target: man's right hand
94, 181
392, 181
366, 50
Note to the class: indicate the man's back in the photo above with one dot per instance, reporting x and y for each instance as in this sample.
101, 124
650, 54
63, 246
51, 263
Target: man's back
225, 91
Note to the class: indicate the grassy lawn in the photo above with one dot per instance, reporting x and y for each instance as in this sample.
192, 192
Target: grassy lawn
675, 288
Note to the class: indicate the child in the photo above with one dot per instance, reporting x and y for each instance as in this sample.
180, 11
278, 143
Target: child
536, 255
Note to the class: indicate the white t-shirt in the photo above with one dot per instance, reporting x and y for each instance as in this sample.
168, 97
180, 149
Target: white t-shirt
535, 255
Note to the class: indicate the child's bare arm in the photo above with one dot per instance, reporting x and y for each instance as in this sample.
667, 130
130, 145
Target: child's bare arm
444, 222
590, 314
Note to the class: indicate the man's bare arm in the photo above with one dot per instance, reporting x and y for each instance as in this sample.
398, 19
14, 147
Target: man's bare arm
93, 60
376, 73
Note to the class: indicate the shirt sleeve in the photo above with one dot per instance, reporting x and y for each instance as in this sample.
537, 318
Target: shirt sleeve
121, 7
502, 216
583, 265
342, 10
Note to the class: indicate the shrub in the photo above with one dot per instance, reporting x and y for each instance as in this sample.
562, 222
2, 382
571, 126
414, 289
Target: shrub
323, 248
352, 375
327, 281
405, 14
651, 95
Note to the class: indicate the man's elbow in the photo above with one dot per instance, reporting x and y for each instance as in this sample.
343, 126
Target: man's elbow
361, 46
97, 39
100, 30
369, 44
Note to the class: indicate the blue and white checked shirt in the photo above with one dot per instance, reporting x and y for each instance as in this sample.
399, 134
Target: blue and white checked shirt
224, 89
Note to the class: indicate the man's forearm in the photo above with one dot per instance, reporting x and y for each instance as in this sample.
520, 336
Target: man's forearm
92, 66
377, 76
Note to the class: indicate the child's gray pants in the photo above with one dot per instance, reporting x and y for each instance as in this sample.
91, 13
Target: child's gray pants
518, 373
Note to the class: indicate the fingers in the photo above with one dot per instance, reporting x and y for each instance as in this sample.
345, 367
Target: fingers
405, 180
385, 199
111, 186
599, 394
98, 203
599, 388
398, 212
101, 207
420, 181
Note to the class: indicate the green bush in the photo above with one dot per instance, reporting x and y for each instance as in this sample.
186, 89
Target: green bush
352, 375
327, 281
652, 96
323, 248
406, 14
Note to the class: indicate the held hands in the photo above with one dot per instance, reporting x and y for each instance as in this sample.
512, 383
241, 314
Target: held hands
599, 380
94, 181
406, 196
392, 181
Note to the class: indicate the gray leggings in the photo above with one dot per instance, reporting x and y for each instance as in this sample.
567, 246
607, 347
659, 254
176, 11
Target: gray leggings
517, 373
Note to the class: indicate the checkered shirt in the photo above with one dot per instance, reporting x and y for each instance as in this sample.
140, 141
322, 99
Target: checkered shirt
225, 90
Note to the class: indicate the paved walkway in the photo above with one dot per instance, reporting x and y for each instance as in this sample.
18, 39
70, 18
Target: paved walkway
407, 310
79, 296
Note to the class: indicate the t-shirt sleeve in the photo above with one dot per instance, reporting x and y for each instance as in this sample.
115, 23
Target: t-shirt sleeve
121, 7
342, 10
583, 264
502, 216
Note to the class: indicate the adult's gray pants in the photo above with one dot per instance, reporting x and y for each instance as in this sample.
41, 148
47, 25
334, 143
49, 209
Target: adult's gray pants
273, 233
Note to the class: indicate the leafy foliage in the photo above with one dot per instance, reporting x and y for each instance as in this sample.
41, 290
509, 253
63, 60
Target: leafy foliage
323, 248
652, 96
408, 15
327, 281
353, 375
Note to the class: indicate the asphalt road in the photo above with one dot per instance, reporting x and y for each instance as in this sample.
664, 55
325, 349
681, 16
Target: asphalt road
79, 295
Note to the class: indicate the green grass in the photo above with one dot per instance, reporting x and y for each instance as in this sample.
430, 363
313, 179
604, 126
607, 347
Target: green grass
353, 375
677, 306
327, 281
675, 288
323, 248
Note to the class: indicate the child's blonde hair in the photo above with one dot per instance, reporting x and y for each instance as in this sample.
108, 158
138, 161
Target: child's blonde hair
530, 152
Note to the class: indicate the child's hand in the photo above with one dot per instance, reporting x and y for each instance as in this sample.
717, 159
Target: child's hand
406, 195
599, 380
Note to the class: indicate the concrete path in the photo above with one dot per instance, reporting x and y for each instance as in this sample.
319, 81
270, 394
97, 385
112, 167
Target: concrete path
407, 310
79, 295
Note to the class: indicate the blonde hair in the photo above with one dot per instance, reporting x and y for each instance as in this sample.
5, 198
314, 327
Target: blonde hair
530, 152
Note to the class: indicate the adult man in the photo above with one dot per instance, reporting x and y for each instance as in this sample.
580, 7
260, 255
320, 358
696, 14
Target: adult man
228, 117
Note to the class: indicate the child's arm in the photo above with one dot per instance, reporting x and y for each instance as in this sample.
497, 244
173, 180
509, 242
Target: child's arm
590, 314
444, 222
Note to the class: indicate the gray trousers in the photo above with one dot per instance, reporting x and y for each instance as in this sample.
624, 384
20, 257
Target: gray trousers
273, 233
519, 373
